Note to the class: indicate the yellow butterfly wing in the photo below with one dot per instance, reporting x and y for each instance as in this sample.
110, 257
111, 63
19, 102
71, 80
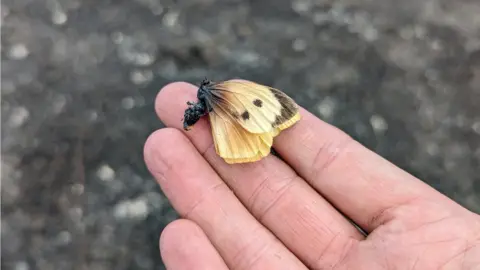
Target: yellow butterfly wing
257, 108
235, 144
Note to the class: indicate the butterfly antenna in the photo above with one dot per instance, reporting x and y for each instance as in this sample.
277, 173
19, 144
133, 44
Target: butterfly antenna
205, 81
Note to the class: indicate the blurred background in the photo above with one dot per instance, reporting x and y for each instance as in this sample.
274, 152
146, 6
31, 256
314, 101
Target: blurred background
79, 78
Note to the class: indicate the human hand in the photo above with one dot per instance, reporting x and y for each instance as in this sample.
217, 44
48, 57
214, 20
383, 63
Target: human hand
276, 214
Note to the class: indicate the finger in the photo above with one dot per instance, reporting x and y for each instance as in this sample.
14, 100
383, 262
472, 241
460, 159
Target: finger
183, 245
271, 190
198, 194
360, 183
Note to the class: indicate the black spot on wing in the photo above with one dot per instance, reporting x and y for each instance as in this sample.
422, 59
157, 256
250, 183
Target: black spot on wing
288, 109
245, 115
258, 103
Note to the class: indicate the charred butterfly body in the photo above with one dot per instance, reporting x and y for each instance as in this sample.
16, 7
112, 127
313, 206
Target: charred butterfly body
244, 117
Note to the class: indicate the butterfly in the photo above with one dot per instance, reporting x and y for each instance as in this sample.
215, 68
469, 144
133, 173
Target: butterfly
244, 117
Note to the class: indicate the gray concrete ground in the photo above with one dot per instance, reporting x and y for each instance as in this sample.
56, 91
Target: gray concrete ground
79, 80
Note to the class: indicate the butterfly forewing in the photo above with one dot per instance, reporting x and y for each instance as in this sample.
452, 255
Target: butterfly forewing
257, 108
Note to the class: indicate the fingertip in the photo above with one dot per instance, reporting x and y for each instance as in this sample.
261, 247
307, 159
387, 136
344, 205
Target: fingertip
158, 148
157, 138
184, 245
171, 234
174, 88
166, 101
170, 106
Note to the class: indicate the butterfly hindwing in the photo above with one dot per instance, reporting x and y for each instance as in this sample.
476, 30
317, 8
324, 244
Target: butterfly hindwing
257, 108
235, 144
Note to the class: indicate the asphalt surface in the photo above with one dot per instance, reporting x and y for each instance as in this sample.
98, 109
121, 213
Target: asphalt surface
79, 80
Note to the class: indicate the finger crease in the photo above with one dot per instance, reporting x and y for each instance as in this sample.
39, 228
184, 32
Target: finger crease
252, 201
386, 215
280, 193
250, 261
204, 152
317, 261
349, 245
202, 199
325, 157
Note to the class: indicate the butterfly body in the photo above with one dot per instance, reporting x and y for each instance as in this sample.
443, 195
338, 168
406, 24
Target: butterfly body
198, 109
244, 117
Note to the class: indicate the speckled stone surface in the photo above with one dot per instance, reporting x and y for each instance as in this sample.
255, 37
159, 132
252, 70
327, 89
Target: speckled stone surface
79, 80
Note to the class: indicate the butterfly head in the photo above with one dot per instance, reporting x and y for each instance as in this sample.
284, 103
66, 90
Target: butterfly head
205, 82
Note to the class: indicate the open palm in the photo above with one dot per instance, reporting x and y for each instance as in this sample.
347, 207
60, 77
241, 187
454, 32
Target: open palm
294, 213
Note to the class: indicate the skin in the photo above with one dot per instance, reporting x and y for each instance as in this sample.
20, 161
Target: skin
291, 214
